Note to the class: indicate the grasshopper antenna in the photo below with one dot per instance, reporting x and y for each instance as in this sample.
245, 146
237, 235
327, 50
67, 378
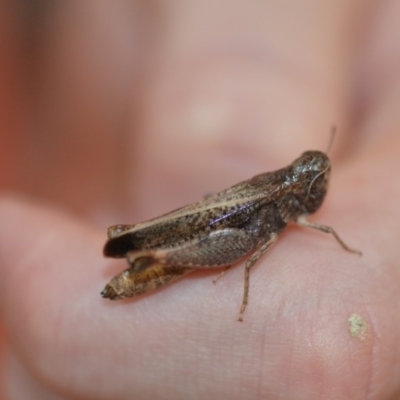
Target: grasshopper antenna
332, 138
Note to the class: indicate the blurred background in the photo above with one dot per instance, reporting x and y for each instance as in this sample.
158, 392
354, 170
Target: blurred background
69, 76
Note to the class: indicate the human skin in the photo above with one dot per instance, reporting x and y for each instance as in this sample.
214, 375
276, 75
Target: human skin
228, 90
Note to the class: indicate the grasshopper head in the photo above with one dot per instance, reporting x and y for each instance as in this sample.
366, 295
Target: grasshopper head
312, 171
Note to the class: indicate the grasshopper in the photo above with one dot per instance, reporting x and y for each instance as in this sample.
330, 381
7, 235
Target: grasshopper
221, 230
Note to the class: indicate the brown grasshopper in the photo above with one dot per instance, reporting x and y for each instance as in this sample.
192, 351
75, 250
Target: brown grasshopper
220, 230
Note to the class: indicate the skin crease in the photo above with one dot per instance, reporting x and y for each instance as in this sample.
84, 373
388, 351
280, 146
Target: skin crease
122, 111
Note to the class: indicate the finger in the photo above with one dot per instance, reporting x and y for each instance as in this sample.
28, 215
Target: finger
235, 95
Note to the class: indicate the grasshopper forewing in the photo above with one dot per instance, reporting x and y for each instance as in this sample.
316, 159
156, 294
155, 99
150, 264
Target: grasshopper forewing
245, 219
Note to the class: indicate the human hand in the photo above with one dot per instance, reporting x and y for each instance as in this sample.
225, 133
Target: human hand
238, 90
